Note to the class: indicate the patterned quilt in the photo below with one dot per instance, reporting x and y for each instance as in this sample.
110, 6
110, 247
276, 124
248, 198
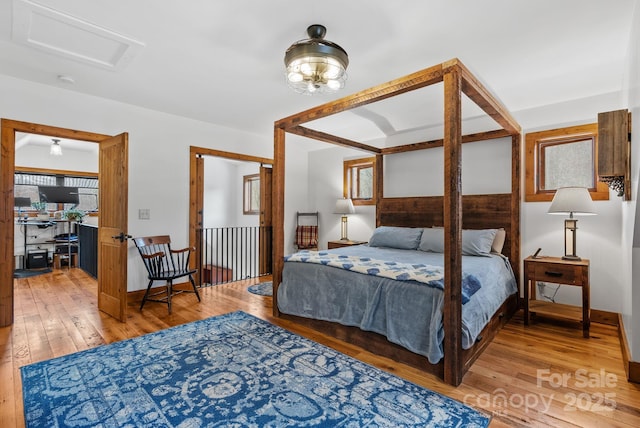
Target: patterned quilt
426, 274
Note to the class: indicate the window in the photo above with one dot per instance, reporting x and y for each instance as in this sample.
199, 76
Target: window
560, 158
26, 186
251, 194
359, 181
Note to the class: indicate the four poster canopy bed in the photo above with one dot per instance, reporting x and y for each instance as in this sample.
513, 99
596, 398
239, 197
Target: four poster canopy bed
446, 230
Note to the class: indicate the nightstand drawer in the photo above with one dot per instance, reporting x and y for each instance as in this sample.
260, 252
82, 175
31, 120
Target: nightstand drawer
556, 273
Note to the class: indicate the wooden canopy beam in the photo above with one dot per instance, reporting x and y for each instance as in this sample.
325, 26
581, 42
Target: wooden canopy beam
328, 138
413, 81
470, 138
484, 99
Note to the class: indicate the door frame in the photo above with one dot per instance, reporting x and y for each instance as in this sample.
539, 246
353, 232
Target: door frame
7, 169
196, 190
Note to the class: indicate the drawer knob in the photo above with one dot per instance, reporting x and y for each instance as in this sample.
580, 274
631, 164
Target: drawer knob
551, 273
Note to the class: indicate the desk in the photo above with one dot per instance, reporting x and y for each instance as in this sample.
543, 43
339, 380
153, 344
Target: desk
69, 240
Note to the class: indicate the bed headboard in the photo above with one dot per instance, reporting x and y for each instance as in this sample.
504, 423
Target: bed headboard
478, 212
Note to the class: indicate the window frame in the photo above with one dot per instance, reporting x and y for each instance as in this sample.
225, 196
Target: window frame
248, 181
535, 142
360, 163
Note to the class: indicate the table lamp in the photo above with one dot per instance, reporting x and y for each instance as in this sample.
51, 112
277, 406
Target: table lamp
344, 206
571, 201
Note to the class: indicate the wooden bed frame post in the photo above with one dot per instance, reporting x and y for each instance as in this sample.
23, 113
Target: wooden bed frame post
516, 141
379, 183
278, 212
452, 309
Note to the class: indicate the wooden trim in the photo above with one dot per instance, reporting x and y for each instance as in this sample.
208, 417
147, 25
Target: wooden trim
605, 317
532, 140
631, 368
347, 165
34, 128
46, 171
228, 155
7, 169
196, 189
196, 203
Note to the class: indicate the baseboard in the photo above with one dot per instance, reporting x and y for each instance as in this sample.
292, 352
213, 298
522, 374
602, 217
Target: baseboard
632, 368
139, 294
604, 317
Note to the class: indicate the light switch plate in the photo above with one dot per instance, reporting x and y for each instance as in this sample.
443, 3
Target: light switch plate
144, 214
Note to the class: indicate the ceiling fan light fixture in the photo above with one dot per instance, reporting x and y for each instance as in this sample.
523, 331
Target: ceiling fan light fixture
316, 65
56, 149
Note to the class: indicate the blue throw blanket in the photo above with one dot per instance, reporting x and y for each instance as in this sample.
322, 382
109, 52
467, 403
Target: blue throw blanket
426, 274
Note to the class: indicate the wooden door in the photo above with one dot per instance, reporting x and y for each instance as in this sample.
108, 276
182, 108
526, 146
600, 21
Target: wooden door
266, 234
112, 235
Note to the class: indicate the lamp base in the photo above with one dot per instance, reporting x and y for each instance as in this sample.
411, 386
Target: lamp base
343, 229
569, 257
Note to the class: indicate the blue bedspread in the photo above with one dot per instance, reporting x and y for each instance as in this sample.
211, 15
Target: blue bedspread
407, 312
426, 274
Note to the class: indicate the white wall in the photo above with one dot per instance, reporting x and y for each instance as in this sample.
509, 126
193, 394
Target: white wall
71, 160
599, 237
630, 216
219, 202
325, 187
223, 193
244, 220
158, 151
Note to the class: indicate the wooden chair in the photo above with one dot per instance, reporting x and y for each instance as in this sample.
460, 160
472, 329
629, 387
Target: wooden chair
164, 264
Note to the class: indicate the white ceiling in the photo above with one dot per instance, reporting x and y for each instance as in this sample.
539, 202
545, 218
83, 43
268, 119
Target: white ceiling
222, 61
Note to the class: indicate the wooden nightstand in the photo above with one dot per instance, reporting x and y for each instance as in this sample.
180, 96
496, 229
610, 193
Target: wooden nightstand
557, 271
341, 243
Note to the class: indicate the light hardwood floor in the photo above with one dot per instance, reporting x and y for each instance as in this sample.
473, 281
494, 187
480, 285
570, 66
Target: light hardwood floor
542, 375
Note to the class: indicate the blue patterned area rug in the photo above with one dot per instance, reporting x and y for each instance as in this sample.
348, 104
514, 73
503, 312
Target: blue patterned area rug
233, 370
262, 289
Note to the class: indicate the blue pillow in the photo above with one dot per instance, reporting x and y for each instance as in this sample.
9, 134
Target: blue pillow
477, 242
404, 238
474, 242
432, 240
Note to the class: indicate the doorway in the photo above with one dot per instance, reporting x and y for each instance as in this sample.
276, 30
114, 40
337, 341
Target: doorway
197, 206
112, 223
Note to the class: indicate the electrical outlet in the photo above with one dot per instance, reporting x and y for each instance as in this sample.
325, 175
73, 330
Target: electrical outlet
144, 214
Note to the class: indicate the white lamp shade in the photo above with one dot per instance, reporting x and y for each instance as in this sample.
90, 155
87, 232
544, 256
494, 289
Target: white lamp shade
344, 206
572, 200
